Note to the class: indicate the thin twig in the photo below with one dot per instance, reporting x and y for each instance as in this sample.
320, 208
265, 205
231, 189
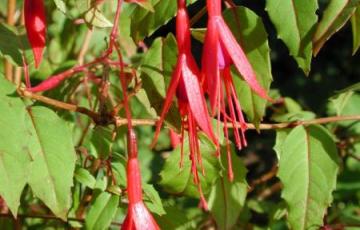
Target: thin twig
151, 122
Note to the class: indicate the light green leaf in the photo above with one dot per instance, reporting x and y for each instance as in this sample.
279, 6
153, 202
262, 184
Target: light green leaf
45, 158
355, 24
308, 169
60, 4
178, 180
340, 101
249, 30
153, 200
102, 211
336, 14
53, 160
281, 135
15, 156
101, 139
156, 70
294, 21
226, 198
14, 44
94, 17
84, 177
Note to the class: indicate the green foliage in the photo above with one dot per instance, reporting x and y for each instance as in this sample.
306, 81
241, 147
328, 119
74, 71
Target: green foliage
308, 167
294, 21
62, 165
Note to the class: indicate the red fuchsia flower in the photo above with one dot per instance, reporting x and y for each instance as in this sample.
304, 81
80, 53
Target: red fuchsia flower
192, 106
138, 216
35, 24
221, 50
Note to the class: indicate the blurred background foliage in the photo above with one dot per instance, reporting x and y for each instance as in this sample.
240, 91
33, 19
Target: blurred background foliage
168, 194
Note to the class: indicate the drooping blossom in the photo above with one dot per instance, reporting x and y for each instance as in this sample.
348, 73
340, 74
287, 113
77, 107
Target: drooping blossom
35, 24
138, 216
221, 51
191, 102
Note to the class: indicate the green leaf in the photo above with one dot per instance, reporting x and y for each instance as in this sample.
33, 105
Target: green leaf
45, 158
295, 21
60, 4
15, 154
336, 14
153, 200
101, 139
178, 180
14, 44
94, 17
145, 22
102, 211
156, 70
84, 177
250, 32
355, 24
350, 108
53, 160
308, 169
340, 101
226, 198
281, 135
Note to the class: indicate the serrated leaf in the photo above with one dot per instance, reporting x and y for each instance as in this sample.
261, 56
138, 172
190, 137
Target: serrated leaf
308, 169
156, 69
14, 44
178, 180
294, 21
250, 32
15, 154
355, 25
53, 160
94, 17
226, 198
45, 158
102, 211
336, 14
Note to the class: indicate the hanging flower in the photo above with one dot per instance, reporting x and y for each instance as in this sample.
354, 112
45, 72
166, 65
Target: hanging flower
138, 216
192, 106
35, 24
221, 50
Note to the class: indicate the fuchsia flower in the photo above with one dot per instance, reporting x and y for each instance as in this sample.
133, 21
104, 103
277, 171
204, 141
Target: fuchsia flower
185, 84
138, 216
221, 50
